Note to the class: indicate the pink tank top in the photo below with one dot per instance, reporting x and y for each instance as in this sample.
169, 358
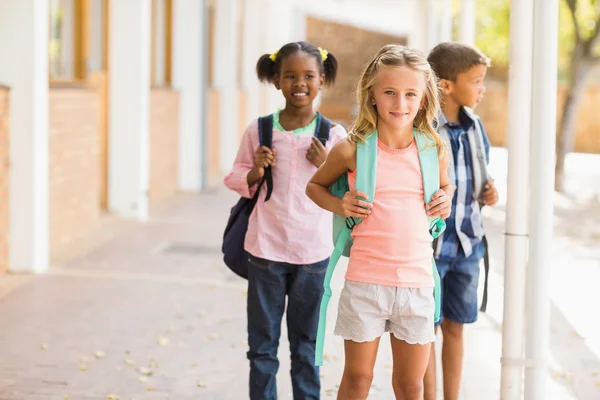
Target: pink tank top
392, 246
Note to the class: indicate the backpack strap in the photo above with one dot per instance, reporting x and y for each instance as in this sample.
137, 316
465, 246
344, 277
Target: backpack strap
366, 173
265, 138
323, 127
430, 171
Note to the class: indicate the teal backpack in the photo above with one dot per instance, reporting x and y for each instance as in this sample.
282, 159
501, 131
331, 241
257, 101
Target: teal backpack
366, 172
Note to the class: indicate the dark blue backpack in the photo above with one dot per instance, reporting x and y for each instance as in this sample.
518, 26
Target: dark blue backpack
234, 254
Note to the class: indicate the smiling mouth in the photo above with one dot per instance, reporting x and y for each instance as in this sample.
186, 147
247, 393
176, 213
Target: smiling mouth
299, 94
398, 115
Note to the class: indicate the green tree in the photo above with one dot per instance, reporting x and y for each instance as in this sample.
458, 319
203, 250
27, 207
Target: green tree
584, 56
578, 55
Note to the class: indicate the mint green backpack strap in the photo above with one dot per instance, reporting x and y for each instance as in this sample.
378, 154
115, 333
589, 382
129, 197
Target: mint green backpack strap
430, 170
366, 172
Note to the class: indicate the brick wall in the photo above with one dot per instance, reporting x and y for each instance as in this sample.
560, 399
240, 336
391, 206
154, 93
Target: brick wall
494, 112
74, 165
353, 48
4, 177
213, 173
164, 143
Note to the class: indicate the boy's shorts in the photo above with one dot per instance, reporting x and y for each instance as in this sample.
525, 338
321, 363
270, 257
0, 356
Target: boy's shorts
459, 280
366, 311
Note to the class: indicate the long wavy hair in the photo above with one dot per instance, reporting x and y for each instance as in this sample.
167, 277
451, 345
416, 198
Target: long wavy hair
393, 56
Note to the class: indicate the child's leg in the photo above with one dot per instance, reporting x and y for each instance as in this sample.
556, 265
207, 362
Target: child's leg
363, 312
304, 301
358, 369
266, 303
410, 363
452, 358
459, 308
430, 379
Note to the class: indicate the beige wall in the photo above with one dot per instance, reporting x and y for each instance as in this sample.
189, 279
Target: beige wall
4, 177
354, 48
164, 143
74, 165
494, 112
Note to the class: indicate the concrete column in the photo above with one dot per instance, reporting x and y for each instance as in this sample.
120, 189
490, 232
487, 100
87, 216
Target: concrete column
543, 140
251, 51
24, 49
129, 103
445, 33
467, 21
225, 78
517, 210
277, 30
189, 80
431, 25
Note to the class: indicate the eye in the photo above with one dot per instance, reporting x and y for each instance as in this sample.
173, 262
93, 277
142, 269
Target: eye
309, 76
289, 76
411, 94
389, 92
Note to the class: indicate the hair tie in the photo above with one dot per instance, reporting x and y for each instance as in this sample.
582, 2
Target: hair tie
324, 54
273, 56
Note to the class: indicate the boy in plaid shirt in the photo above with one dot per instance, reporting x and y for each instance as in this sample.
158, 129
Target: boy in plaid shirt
461, 70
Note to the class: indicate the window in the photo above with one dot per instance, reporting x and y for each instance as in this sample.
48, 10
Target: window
162, 11
65, 44
98, 21
77, 39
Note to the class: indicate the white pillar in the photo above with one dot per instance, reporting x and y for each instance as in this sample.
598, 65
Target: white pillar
24, 49
226, 79
467, 21
516, 239
431, 25
543, 141
445, 33
188, 80
277, 30
129, 103
251, 51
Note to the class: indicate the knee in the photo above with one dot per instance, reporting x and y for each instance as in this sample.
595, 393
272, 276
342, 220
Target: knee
358, 383
408, 388
452, 330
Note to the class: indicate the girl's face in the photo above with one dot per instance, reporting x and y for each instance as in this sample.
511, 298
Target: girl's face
299, 79
398, 94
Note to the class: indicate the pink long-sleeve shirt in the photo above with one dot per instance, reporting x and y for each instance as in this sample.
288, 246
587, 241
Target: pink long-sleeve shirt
289, 227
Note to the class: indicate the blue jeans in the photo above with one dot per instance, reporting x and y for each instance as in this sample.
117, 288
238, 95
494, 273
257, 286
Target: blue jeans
269, 283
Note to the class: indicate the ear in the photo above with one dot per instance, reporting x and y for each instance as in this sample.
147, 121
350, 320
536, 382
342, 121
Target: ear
447, 86
321, 80
276, 81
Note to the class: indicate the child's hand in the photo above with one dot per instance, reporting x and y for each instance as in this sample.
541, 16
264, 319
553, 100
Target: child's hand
440, 205
490, 196
351, 206
317, 152
263, 157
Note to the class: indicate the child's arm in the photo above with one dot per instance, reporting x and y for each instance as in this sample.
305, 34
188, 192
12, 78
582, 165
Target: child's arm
441, 201
340, 160
250, 163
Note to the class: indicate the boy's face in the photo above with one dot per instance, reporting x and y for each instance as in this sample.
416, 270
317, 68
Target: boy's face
398, 94
468, 89
299, 79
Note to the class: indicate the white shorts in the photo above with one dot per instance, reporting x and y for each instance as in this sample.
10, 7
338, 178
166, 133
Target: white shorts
366, 311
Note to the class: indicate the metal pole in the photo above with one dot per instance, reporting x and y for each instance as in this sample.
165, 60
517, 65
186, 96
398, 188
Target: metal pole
543, 140
516, 239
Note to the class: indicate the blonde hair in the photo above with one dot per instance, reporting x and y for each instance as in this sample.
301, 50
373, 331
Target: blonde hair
393, 56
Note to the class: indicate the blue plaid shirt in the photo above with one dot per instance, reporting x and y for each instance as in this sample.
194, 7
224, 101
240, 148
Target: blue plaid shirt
451, 247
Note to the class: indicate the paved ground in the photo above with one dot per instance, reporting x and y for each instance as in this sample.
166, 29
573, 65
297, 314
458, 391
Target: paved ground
151, 313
